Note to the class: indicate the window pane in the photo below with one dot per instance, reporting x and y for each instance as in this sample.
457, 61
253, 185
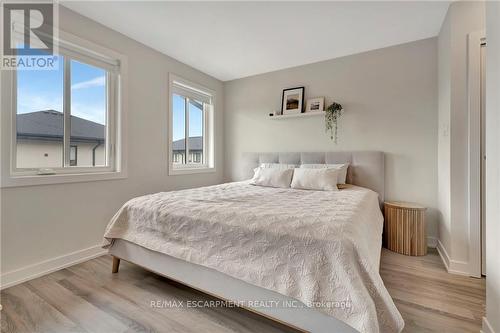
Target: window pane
39, 118
195, 132
73, 155
88, 114
178, 129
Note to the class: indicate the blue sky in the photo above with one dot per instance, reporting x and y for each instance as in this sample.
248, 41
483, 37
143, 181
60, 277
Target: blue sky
179, 121
43, 90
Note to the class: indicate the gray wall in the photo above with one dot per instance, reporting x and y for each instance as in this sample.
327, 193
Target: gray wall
463, 17
44, 222
444, 140
390, 101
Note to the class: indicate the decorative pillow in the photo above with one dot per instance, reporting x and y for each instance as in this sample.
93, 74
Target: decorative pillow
272, 177
323, 179
341, 167
278, 166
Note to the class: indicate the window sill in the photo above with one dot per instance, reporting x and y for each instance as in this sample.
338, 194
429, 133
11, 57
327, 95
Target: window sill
33, 180
189, 171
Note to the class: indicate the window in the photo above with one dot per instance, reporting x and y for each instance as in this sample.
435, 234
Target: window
65, 120
39, 118
42, 124
191, 130
60, 110
73, 155
89, 114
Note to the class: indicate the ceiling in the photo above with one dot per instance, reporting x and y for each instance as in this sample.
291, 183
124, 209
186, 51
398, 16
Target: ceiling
230, 40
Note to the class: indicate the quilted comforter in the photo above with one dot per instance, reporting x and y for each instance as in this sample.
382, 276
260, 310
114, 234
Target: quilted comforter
319, 247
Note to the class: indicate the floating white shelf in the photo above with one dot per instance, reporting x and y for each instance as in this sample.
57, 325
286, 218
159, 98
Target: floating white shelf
298, 115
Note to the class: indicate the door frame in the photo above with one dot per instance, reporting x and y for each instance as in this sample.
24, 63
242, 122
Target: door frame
475, 39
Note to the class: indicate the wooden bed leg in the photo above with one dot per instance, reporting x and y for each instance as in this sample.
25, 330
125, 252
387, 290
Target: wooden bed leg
116, 265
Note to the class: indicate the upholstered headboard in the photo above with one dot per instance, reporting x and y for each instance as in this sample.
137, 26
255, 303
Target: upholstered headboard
366, 168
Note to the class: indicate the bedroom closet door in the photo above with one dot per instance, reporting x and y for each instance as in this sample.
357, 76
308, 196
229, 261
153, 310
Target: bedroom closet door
476, 149
483, 159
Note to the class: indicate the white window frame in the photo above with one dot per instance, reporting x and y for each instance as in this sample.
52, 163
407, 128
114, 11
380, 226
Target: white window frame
88, 53
180, 86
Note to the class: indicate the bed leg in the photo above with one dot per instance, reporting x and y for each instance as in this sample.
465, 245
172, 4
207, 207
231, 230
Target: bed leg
116, 265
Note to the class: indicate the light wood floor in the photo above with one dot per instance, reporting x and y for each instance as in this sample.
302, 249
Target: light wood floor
430, 299
88, 298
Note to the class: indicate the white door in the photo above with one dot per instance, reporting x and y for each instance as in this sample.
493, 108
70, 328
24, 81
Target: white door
483, 158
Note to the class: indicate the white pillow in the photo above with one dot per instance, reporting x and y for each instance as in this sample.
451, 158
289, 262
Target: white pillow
272, 177
323, 179
341, 167
278, 166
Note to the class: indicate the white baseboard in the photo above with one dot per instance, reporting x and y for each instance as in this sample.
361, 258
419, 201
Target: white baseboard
432, 242
24, 274
452, 266
486, 326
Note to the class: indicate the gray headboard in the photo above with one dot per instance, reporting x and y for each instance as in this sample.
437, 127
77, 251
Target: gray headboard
366, 168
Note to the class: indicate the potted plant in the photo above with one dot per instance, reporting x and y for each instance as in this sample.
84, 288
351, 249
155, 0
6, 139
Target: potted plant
332, 115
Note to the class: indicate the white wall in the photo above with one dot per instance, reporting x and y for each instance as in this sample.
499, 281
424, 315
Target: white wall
39, 154
390, 101
31, 154
84, 153
444, 138
463, 17
42, 222
492, 167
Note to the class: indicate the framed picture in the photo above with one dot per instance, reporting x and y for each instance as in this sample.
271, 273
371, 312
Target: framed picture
315, 104
292, 101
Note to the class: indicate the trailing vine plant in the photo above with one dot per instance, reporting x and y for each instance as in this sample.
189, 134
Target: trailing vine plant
332, 115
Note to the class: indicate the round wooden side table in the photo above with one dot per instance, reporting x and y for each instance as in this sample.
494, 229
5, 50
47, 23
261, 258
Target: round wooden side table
404, 228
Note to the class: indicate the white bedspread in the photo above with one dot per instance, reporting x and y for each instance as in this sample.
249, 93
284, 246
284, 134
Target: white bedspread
315, 246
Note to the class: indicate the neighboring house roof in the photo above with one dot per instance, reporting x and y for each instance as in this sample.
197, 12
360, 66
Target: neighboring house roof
48, 124
195, 143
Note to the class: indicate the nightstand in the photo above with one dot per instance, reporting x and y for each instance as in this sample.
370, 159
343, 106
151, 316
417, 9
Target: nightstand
404, 228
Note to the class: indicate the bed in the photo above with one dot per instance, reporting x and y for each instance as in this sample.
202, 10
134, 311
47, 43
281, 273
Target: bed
308, 259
